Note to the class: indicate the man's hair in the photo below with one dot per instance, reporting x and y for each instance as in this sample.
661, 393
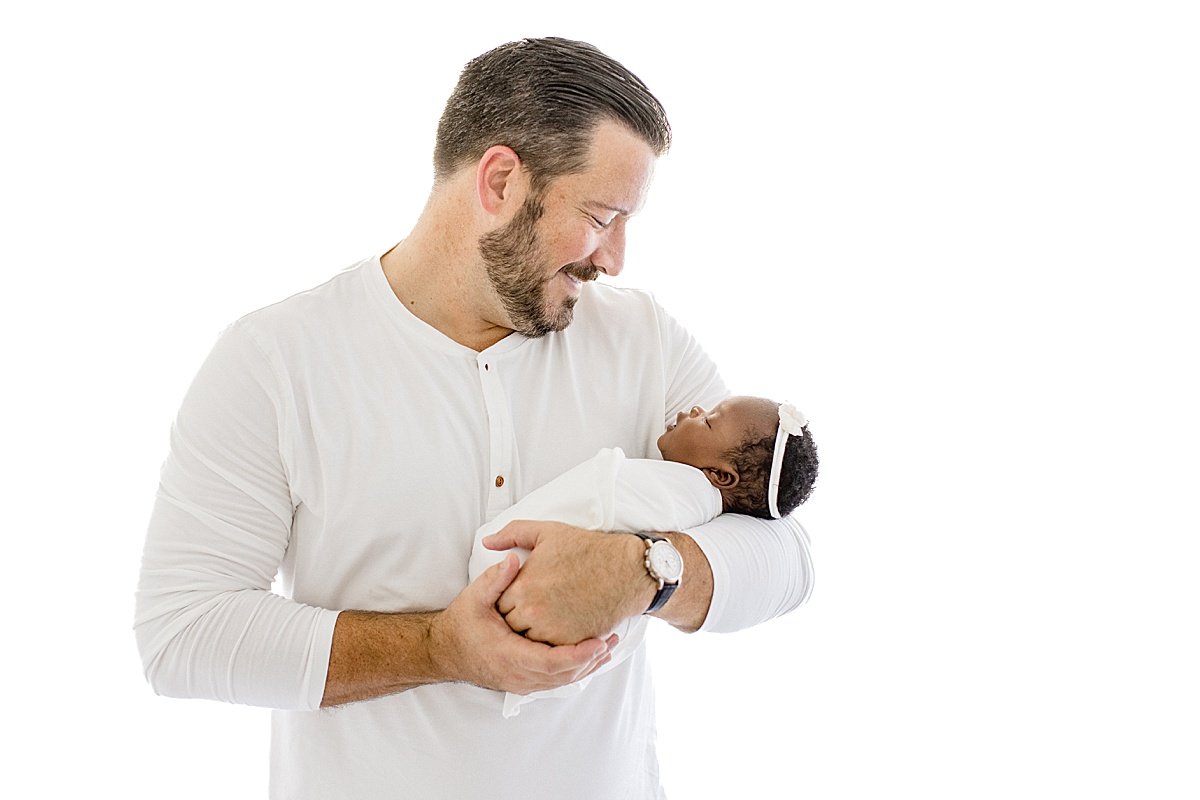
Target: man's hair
544, 99
753, 457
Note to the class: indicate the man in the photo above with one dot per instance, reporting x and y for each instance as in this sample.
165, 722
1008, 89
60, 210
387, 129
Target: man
352, 438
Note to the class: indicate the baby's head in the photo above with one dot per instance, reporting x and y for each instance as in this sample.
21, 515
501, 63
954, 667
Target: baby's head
734, 446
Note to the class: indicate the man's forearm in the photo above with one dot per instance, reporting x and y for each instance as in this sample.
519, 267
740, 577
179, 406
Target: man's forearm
378, 654
374, 654
576, 581
688, 607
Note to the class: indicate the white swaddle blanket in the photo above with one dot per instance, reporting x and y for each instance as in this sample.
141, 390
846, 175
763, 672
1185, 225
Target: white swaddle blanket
607, 492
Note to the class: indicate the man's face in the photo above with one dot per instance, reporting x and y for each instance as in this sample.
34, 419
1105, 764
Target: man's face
516, 267
538, 262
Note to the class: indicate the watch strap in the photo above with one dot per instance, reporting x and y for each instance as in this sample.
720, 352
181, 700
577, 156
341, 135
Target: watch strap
665, 590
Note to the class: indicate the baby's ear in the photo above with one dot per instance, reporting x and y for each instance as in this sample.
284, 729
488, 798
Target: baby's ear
720, 478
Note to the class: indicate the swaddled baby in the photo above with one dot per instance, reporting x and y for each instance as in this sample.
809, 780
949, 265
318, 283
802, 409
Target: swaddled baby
748, 455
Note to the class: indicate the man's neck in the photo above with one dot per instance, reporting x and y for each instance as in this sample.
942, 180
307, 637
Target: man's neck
435, 273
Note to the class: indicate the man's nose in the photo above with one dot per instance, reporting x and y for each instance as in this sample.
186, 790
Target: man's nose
609, 257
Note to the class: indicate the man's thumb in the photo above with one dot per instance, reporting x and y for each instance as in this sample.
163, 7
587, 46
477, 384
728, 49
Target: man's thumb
498, 577
518, 533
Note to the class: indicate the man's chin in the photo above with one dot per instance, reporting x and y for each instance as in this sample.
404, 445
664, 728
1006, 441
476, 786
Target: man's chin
549, 322
565, 315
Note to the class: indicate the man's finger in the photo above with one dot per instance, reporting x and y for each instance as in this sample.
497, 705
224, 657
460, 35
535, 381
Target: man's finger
497, 578
518, 533
570, 658
516, 621
607, 658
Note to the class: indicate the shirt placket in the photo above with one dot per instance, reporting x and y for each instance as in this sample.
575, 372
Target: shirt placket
500, 430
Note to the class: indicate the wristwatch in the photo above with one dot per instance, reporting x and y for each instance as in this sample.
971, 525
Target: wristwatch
665, 565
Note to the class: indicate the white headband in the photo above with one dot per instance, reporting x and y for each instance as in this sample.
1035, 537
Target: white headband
791, 423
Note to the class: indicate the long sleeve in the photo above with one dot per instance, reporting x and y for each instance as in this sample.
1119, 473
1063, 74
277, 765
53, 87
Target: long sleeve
207, 623
761, 568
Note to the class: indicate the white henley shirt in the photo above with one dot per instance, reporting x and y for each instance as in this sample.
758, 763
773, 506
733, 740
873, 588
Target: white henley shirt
337, 441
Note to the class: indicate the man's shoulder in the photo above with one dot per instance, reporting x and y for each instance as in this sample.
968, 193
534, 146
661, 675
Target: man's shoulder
623, 312
335, 296
603, 304
300, 328
607, 295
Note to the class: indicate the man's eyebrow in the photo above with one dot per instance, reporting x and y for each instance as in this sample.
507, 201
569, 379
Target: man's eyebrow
606, 206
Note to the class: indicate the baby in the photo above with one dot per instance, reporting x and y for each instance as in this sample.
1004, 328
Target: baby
748, 455
736, 446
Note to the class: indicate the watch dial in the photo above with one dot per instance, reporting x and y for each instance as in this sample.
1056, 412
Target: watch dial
666, 561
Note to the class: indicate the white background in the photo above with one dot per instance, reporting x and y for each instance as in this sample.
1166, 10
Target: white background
961, 236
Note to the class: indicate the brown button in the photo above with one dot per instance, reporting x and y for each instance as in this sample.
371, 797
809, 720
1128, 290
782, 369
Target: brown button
499, 481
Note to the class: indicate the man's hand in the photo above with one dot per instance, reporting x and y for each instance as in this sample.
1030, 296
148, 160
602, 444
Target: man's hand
576, 584
471, 642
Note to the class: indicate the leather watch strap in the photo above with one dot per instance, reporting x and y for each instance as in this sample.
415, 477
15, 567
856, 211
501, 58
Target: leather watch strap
665, 590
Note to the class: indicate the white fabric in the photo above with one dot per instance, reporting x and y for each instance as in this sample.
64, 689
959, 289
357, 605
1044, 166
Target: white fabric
608, 492
337, 440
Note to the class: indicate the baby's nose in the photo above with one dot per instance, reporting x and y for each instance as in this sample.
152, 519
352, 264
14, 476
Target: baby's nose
696, 411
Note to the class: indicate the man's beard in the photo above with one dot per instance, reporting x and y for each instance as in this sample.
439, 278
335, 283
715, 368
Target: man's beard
515, 266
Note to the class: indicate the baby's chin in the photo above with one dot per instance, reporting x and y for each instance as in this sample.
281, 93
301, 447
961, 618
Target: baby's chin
660, 446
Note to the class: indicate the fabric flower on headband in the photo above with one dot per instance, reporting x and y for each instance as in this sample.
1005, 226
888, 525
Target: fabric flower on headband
791, 419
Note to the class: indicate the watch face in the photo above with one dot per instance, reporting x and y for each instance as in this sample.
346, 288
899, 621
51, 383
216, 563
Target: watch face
666, 561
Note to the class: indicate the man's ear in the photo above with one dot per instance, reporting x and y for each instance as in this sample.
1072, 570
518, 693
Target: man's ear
720, 478
499, 180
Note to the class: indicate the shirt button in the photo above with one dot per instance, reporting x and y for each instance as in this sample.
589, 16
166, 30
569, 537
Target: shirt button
499, 481
486, 367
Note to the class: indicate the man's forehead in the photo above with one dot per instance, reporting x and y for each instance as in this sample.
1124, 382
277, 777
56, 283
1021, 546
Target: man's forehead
619, 167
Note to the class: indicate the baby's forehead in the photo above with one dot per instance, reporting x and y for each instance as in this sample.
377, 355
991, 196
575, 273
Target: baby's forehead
751, 412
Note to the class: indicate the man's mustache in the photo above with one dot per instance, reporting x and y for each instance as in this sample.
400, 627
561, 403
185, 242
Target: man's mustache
581, 272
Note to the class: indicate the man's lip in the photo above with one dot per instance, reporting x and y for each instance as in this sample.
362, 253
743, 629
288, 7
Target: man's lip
574, 285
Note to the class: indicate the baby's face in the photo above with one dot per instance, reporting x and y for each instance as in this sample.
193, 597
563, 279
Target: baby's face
699, 437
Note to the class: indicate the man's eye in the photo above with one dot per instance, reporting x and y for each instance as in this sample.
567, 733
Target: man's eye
598, 223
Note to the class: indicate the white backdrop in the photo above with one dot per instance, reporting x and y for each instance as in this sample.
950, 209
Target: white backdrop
961, 236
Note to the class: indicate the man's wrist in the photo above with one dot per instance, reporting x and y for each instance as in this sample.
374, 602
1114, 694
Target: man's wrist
644, 586
437, 648
689, 605
664, 567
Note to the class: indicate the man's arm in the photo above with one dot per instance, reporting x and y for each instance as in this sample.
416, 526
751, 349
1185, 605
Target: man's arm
207, 623
379, 654
688, 607
760, 569
578, 583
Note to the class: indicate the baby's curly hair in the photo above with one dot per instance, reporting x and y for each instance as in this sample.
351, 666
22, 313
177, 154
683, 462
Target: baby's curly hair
753, 459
